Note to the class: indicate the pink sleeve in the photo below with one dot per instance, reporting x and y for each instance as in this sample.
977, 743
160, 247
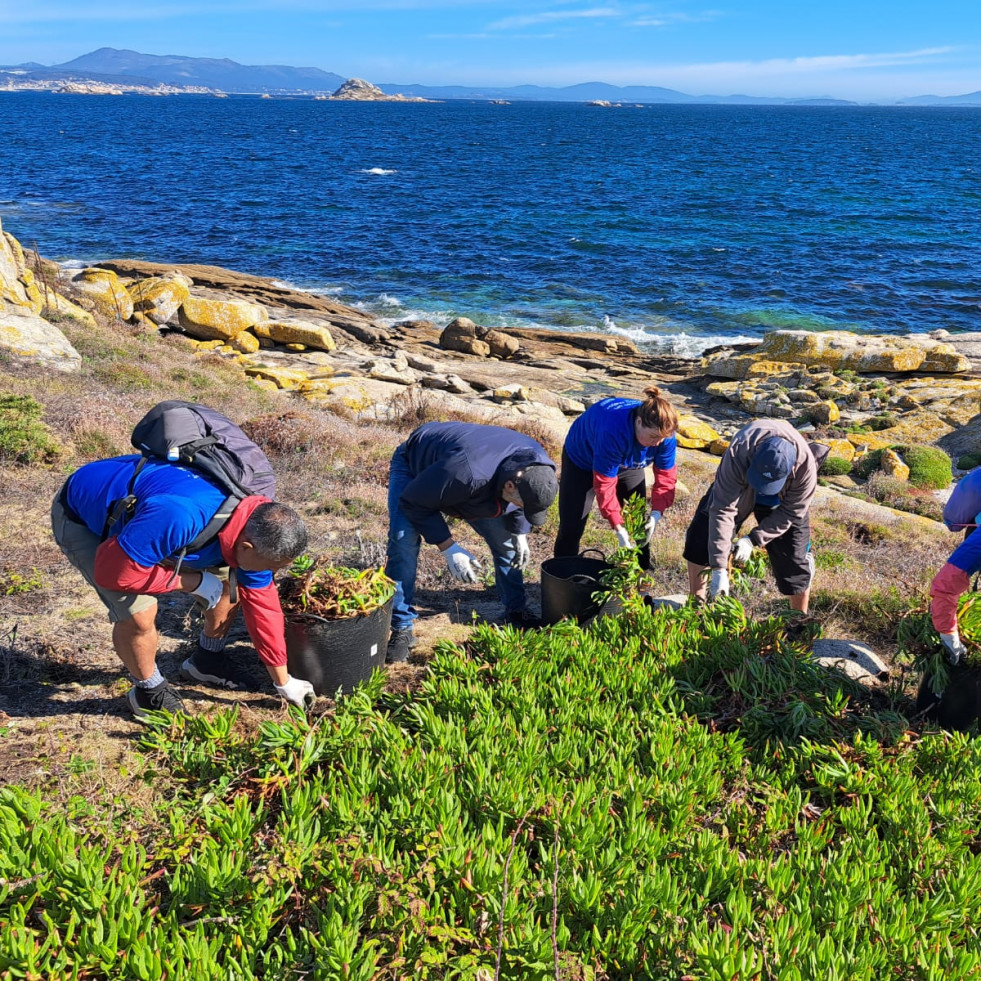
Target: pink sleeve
114, 569
605, 489
948, 585
265, 622
662, 493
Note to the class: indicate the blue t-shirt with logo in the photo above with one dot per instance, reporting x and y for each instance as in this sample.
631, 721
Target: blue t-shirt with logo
602, 440
174, 505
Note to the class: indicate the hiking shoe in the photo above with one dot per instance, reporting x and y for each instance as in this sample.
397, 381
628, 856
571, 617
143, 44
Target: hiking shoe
523, 620
163, 698
399, 644
216, 669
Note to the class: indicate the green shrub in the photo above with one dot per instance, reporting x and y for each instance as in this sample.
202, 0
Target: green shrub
24, 438
929, 467
884, 421
866, 465
969, 461
835, 466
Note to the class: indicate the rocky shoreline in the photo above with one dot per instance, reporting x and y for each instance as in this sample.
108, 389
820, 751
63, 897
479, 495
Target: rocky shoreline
863, 395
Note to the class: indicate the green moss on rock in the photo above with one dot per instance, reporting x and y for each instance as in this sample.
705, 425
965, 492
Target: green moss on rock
929, 467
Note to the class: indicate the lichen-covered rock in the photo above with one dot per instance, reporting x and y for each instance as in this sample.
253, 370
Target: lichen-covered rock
718, 446
864, 442
775, 369
891, 463
822, 413
11, 288
693, 434
287, 378
244, 342
33, 296
224, 319
312, 335
841, 449
158, 298
839, 350
106, 292
25, 335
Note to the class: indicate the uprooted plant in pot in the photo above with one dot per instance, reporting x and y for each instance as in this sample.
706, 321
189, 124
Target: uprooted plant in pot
314, 586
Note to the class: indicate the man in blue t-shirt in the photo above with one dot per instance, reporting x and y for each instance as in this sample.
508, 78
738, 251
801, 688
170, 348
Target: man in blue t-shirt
131, 562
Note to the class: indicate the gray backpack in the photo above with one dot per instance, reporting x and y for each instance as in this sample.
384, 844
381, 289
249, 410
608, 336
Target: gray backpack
199, 437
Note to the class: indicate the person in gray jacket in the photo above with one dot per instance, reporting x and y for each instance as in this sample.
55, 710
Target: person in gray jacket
768, 471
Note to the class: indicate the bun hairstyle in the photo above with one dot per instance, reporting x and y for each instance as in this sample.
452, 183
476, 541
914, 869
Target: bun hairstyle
656, 412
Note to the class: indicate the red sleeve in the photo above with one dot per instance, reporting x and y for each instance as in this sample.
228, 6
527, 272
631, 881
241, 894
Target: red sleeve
265, 622
945, 591
605, 489
662, 493
114, 569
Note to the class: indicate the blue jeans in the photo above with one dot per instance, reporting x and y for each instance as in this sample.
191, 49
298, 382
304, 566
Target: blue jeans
403, 552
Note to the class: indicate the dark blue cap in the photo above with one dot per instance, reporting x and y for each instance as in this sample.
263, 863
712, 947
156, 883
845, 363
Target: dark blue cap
772, 462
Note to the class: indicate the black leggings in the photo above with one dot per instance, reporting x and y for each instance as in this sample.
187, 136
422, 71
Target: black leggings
576, 496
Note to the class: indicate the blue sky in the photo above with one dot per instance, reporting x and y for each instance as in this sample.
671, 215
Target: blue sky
860, 49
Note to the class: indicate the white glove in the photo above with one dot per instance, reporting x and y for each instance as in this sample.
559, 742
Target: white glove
719, 583
650, 526
623, 538
741, 552
955, 649
522, 551
208, 591
461, 563
297, 692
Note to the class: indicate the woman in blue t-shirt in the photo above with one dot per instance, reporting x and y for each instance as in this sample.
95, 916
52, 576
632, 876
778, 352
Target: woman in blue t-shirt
604, 458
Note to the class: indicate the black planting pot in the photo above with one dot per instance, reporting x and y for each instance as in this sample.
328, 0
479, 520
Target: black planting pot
959, 705
568, 584
337, 654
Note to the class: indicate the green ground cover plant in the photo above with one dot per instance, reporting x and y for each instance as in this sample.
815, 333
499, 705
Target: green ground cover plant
662, 794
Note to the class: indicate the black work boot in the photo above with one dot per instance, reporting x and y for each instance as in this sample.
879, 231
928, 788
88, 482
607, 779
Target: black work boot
163, 698
523, 620
216, 669
399, 645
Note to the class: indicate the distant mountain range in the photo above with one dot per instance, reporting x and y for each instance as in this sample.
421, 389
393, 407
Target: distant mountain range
114, 66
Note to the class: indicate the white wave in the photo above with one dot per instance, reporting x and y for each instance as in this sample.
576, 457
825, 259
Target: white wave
679, 343
379, 171
284, 284
74, 264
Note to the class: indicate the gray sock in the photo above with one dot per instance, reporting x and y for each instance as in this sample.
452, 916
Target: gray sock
214, 644
155, 679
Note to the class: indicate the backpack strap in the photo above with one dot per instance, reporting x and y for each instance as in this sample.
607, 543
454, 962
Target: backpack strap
208, 533
122, 509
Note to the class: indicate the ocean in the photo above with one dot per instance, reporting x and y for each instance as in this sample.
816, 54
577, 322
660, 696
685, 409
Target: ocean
679, 226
